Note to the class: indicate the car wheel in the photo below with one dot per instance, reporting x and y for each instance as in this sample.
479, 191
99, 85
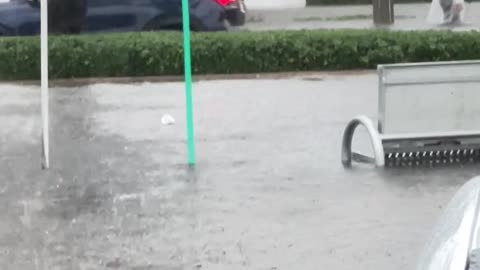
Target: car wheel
474, 260
237, 17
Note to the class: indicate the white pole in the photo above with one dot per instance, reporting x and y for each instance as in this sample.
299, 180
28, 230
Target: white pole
44, 82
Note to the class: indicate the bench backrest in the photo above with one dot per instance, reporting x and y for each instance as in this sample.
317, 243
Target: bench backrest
429, 98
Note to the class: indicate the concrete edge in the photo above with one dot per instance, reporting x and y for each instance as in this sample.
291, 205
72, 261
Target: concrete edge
314, 76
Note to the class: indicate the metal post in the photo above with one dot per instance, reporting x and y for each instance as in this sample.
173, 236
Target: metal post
383, 12
188, 81
44, 83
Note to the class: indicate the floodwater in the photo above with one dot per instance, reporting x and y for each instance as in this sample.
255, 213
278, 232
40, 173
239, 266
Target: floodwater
268, 190
407, 17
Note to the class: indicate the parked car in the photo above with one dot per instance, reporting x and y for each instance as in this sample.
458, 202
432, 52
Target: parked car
22, 17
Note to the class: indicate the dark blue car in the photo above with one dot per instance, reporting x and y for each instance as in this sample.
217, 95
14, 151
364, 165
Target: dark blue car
22, 17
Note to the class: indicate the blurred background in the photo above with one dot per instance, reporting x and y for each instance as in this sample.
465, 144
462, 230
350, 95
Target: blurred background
21, 17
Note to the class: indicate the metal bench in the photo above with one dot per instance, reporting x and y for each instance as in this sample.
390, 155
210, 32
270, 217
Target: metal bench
428, 114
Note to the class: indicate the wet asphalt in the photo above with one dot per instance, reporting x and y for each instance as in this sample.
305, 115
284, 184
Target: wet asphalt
407, 17
268, 191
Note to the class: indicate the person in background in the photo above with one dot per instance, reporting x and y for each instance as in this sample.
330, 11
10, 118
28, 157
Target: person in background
446, 12
451, 10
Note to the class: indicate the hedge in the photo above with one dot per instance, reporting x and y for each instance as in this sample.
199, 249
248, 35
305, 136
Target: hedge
160, 53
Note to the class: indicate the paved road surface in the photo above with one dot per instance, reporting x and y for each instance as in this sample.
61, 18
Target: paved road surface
408, 17
268, 191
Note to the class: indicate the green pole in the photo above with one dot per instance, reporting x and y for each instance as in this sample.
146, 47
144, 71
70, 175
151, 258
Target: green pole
188, 81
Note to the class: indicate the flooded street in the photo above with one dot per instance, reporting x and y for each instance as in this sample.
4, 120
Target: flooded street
407, 17
268, 192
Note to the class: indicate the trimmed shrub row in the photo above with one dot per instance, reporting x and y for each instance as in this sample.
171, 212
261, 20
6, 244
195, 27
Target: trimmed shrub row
160, 53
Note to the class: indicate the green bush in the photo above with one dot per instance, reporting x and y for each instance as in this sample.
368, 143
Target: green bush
153, 54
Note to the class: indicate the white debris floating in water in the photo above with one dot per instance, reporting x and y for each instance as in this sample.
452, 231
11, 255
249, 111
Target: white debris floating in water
167, 119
